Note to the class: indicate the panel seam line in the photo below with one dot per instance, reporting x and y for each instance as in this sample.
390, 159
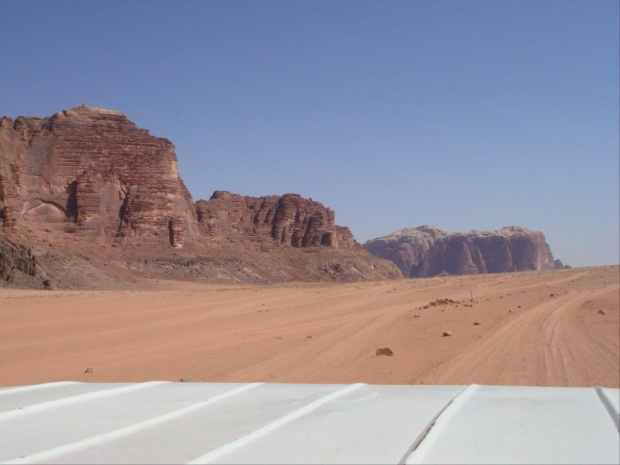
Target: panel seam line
76, 398
215, 454
127, 430
609, 406
414, 452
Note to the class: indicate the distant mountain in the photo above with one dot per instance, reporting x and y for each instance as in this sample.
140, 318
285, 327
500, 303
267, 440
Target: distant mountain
428, 251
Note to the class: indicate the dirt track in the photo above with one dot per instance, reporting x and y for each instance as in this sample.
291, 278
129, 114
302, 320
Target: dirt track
543, 328
550, 345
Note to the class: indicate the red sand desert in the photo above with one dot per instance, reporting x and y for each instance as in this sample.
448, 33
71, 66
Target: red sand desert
549, 328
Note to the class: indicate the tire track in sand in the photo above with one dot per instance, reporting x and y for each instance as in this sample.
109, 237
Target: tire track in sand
547, 345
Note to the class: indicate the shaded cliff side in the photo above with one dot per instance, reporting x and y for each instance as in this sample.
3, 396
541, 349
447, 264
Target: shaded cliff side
15, 259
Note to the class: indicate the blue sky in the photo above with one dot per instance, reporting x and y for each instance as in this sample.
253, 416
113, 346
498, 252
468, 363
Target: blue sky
461, 115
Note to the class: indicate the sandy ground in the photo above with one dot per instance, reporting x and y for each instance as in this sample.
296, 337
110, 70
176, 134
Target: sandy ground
554, 328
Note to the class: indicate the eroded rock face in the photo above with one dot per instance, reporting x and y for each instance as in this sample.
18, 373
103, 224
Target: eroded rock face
427, 251
7, 219
91, 171
15, 258
406, 247
271, 221
95, 170
101, 200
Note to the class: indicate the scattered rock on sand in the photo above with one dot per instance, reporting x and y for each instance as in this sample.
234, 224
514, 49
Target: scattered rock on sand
385, 351
186, 379
476, 323
447, 333
601, 312
89, 370
442, 302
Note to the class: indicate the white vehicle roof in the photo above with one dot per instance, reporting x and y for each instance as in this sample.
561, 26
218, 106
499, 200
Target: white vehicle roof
163, 422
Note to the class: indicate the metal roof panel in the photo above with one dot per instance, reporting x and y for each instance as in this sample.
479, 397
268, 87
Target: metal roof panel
162, 422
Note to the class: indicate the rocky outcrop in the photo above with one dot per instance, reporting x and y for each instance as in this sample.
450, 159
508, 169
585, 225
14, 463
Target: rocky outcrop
92, 172
559, 265
94, 169
7, 219
100, 199
14, 259
427, 251
407, 247
271, 221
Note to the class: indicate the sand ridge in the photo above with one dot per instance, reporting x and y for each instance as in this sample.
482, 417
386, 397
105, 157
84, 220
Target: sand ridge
549, 328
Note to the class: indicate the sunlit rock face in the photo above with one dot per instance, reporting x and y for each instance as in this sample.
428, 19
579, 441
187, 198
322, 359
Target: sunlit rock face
88, 197
428, 251
270, 221
95, 173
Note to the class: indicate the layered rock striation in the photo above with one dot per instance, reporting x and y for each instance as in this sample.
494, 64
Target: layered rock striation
94, 170
88, 178
287, 220
428, 251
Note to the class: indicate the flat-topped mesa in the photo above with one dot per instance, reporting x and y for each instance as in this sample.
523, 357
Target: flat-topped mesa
270, 221
406, 247
93, 172
427, 251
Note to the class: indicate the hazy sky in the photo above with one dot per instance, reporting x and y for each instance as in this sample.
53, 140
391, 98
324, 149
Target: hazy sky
462, 115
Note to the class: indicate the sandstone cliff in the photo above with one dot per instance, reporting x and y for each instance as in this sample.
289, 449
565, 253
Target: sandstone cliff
86, 188
288, 220
93, 172
428, 251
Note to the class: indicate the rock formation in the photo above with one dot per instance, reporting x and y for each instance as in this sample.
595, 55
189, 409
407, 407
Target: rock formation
288, 220
559, 265
95, 170
88, 178
407, 247
428, 251
14, 259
